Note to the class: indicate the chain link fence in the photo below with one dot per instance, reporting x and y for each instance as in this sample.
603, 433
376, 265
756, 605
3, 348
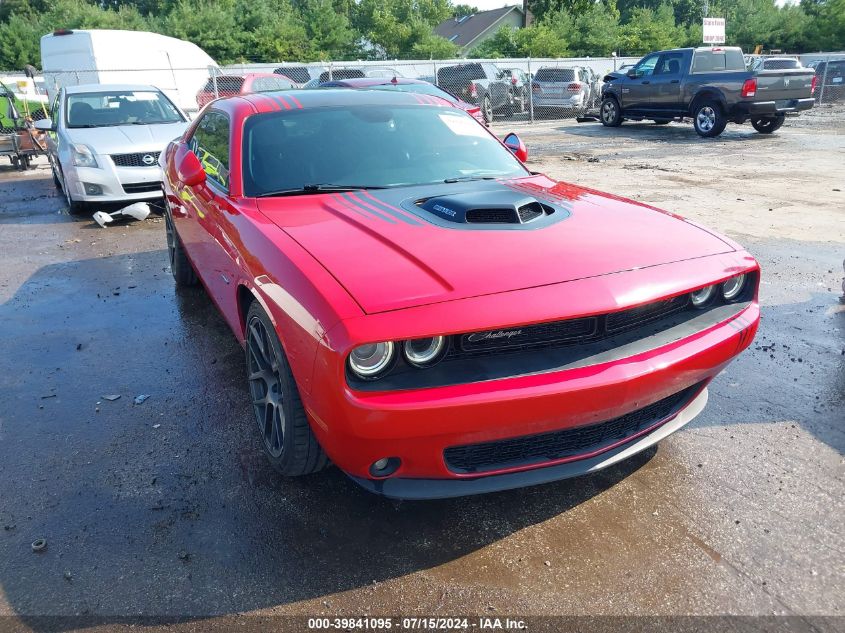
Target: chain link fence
522, 90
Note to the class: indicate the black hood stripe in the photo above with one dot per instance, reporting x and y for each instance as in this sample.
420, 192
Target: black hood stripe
384, 209
381, 204
362, 211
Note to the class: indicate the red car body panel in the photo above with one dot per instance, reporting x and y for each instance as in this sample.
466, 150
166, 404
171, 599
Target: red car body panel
296, 257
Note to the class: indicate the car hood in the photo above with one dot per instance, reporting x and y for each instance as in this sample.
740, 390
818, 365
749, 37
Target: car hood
124, 139
404, 247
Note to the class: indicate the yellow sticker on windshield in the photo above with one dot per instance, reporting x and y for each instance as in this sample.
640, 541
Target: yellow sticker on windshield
462, 125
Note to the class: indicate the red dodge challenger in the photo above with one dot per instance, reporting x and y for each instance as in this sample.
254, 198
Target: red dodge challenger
419, 308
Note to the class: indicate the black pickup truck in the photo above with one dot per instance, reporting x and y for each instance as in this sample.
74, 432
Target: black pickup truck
710, 85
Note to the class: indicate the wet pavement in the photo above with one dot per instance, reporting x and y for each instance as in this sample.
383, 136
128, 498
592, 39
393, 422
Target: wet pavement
168, 508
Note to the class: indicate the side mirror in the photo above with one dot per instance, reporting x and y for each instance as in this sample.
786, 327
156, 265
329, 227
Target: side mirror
515, 145
632, 73
189, 170
45, 125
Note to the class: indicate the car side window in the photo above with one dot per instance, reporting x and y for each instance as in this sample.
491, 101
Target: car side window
210, 143
646, 66
669, 64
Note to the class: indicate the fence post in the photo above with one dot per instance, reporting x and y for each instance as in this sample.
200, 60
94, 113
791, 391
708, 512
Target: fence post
824, 80
436, 81
530, 91
330, 72
214, 80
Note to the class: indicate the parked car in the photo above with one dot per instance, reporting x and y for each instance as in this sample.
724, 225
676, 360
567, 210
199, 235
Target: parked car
298, 74
566, 89
709, 85
230, 85
416, 86
419, 308
479, 83
775, 63
106, 141
378, 71
832, 76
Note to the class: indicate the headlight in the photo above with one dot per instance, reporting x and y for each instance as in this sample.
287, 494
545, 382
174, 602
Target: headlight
732, 288
368, 361
422, 352
702, 296
83, 156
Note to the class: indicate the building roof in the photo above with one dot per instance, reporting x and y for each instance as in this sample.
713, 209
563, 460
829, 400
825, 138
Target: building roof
464, 30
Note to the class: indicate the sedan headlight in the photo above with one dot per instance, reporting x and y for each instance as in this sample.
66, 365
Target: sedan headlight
732, 288
370, 360
702, 296
423, 352
83, 156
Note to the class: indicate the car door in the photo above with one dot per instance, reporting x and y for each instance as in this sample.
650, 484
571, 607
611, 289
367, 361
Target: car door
636, 89
207, 210
665, 82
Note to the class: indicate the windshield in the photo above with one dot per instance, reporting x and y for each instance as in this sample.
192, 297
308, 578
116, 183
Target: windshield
426, 89
369, 146
120, 107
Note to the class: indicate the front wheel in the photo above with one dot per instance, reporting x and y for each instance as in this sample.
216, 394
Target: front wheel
768, 124
286, 435
611, 114
487, 109
708, 119
180, 266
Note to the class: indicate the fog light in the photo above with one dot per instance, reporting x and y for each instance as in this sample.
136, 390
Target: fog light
385, 466
92, 190
702, 296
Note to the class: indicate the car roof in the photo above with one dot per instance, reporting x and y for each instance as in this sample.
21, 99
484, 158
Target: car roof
83, 88
325, 97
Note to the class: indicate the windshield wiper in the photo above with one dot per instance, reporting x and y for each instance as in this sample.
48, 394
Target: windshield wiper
469, 178
316, 188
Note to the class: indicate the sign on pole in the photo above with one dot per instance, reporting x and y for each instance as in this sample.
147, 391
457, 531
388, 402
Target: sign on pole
714, 30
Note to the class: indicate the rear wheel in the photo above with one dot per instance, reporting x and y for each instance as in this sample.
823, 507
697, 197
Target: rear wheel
180, 265
708, 119
768, 124
611, 114
286, 435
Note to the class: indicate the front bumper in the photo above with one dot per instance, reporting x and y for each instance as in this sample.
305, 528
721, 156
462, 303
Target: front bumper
417, 489
117, 184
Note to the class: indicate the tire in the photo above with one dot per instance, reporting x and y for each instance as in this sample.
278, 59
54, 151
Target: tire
610, 113
769, 124
180, 266
487, 110
708, 119
662, 121
56, 180
286, 435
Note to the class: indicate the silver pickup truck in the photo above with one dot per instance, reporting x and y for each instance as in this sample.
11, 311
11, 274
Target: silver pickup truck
709, 85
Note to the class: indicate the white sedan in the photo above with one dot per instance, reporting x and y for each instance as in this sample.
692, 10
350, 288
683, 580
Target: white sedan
104, 142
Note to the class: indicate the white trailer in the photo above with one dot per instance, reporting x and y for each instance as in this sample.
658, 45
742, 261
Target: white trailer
178, 68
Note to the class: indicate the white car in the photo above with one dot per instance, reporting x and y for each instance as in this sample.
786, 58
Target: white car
561, 89
104, 142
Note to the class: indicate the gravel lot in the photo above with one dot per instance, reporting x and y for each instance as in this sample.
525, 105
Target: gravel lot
168, 508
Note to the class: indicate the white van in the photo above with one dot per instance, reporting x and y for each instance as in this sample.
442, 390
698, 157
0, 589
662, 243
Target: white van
101, 56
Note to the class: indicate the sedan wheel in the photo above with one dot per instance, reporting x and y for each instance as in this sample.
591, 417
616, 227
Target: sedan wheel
487, 109
286, 435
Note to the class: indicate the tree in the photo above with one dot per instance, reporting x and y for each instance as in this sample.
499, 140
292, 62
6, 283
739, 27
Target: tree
459, 10
650, 30
19, 42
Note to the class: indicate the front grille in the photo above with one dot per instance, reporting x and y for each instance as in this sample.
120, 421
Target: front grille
618, 321
546, 447
527, 337
136, 160
142, 187
491, 216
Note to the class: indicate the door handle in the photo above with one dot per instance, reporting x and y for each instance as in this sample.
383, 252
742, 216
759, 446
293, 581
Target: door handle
675, 81
646, 82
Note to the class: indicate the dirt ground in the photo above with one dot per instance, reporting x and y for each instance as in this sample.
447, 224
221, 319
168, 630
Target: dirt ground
167, 508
